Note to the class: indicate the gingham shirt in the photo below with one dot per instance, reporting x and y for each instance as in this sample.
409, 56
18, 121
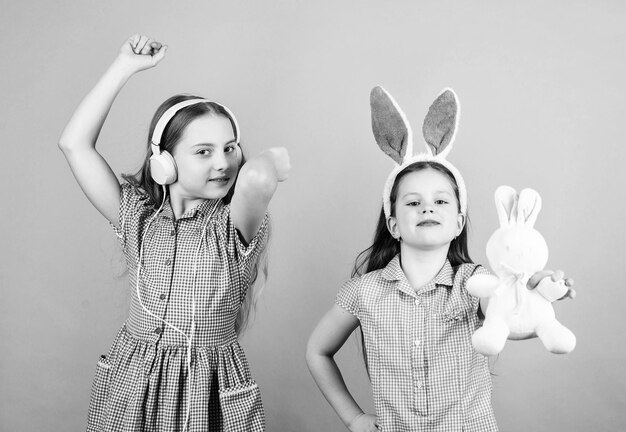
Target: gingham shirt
142, 383
425, 374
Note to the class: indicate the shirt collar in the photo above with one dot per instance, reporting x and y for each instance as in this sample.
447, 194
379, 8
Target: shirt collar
393, 272
445, 275
206, 208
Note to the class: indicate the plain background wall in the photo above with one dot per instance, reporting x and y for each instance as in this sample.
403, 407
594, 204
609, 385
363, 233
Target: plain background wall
543, 104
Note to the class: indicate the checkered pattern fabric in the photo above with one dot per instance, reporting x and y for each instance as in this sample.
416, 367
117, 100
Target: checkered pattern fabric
425, 374
142, 384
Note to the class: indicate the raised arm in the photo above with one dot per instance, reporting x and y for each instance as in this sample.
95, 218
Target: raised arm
256, 184
328, 337
78, 140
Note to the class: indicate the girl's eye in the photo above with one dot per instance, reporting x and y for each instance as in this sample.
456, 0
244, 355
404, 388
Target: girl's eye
413, 203
441, 202
229, 149
204, 152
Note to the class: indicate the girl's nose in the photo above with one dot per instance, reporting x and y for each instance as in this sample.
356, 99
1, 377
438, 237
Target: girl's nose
427, 209
219, 162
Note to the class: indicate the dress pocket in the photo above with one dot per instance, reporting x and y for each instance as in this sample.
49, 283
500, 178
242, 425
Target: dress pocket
242, 409
99, 393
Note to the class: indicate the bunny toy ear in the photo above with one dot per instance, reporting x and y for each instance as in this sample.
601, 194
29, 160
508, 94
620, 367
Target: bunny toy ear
440, 124
391, 129
528, 207
506, 205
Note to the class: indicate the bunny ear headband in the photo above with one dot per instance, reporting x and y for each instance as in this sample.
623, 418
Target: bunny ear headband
394, 136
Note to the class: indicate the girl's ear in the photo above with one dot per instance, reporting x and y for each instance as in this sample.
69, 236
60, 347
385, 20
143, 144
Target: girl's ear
391, 129
460, 223
440, 124
528, 207
392, 226
506, 204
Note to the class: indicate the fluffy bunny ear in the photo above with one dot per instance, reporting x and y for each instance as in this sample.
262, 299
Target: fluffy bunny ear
390, 126
440, 123
506, 204
528, 207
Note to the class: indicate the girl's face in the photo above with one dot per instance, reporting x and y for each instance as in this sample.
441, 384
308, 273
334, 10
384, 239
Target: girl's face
426, 211
207, 158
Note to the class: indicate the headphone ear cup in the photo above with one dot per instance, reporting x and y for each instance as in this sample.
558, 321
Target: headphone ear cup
163, 168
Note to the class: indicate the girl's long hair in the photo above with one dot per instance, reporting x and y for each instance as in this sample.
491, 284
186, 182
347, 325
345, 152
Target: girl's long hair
385, 247
142, 180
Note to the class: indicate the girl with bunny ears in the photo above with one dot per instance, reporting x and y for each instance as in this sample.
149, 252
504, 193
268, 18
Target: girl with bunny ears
408, 293
192, 244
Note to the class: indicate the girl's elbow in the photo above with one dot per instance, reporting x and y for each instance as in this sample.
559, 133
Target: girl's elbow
310, 353
318, 350
67, 144
64, 145
313, 353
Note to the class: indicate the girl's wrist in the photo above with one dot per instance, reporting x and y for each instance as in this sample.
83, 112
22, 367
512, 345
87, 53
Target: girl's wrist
354, 419
121, 70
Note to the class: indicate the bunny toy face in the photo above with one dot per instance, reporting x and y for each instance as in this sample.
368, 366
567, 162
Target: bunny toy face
516, 247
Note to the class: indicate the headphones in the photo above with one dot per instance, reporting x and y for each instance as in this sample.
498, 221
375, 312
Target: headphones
162, 164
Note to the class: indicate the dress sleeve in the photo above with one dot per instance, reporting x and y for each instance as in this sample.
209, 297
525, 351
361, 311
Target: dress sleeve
131, 200
245, 255
461, 303
348, 296
475, 301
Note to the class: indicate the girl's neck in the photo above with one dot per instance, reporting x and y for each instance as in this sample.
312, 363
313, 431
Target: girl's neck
180, 205
421, 266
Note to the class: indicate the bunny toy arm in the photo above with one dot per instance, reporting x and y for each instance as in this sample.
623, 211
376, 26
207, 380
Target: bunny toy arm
483, 287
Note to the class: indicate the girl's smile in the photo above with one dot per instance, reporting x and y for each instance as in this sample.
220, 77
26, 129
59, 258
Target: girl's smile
222, 179
428, 223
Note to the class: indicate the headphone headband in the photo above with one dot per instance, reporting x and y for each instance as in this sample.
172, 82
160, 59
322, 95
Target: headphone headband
171, 112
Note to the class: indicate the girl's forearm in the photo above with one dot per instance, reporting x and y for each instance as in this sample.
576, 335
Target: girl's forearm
84, 127
256, 184
328, 378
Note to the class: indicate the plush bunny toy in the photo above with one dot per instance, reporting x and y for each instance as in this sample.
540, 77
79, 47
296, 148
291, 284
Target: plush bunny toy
515, 252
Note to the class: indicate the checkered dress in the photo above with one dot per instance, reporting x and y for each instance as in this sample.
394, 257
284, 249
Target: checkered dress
142, 384
425, 374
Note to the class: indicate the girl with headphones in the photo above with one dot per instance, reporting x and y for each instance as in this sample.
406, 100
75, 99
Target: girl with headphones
192, 243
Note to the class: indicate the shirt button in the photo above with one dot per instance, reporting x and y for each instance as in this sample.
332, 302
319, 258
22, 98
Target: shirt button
168, 262
417, 342
173, 233
162, 296
158, 330
417, 302
419, 384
